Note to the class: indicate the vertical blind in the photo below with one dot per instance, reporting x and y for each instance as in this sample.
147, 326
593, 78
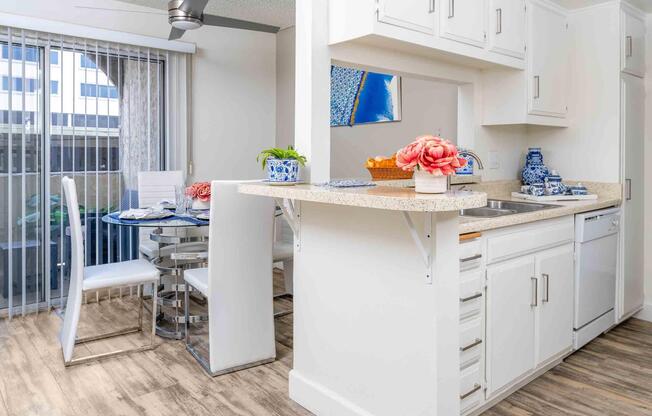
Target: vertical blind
94, 111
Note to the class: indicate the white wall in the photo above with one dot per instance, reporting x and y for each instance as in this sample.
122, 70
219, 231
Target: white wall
285, 87
233, 82
428, 107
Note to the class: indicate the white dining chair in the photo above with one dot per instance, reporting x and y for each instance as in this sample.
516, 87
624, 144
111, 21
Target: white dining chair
154, 187
127, 273
237, 283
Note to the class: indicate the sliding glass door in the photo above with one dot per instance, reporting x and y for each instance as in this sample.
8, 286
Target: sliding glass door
68, 108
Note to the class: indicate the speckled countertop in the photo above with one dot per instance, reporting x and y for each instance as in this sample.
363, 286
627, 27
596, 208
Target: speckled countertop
608, 196
396, 198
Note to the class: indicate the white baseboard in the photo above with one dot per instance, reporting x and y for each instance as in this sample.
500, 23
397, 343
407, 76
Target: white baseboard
319, 399
646, 313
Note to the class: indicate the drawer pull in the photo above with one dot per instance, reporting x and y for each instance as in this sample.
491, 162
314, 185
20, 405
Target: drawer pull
471, 258
475, 388
474, 296
475, 343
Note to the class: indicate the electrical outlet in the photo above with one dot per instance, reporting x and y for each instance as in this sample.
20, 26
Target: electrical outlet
493, 161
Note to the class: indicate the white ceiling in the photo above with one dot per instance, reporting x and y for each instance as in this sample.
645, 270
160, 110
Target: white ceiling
272, 12
645, 5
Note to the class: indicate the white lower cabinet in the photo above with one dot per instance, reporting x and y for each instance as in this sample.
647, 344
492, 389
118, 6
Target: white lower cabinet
510, 321
554, 269
529, 302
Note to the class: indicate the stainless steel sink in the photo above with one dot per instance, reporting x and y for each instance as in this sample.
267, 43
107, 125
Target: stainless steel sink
498, 208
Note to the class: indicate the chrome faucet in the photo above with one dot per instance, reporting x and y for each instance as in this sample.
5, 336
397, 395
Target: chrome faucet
473, 156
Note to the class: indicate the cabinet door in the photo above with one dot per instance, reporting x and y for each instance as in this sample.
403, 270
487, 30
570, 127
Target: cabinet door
417, 15
548, 63
464, 21
555, 313
507, 27
633, 124
511, 288
633, 44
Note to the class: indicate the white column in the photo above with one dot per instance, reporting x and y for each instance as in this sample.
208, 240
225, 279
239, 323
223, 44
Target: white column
312, 88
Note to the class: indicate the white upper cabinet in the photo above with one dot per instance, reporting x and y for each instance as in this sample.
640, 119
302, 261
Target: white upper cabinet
464, 21
438, 28
416, 15
632, 44
507, 27
548, 63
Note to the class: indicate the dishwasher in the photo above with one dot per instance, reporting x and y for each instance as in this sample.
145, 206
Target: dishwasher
596, 266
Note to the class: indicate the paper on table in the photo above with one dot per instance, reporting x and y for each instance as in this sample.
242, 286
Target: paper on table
144, 213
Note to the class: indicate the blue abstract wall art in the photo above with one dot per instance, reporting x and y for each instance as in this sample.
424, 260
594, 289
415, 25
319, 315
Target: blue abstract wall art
362, 97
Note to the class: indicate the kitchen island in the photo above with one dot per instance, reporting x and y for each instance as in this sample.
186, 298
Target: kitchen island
376, 298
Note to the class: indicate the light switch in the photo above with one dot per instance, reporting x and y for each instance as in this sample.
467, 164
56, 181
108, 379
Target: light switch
494, 163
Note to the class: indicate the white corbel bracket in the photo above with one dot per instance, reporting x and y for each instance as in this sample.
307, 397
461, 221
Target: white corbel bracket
425, 249
292, 212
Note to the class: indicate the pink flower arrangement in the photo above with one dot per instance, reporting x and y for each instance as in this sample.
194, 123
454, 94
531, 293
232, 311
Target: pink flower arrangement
200, 191
430, 153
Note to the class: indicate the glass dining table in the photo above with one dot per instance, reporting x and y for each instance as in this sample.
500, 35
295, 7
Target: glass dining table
177, 249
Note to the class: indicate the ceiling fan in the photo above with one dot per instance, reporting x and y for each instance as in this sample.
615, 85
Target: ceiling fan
189, 15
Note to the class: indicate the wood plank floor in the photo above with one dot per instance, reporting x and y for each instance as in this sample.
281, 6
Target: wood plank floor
611, 376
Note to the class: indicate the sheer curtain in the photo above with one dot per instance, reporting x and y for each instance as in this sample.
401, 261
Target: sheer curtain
95, 111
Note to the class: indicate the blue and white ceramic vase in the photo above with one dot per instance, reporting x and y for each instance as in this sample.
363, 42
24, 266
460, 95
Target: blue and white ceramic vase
282, 171
534, 170
466, 169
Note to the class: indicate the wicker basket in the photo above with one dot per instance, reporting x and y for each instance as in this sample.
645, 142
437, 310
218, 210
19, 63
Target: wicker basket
387, 174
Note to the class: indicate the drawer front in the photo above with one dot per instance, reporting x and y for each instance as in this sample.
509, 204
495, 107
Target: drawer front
471, 342
471, 293
470, 387
470, 254
530, 238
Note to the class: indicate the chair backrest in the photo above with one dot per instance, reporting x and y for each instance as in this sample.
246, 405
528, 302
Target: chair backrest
155, 186
240, 277
71, 319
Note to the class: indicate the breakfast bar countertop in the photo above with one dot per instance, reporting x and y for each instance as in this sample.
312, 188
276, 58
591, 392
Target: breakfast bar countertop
379, 197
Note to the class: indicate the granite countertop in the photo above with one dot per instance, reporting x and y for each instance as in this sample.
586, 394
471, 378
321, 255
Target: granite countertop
396, 198
470, 224
609, 195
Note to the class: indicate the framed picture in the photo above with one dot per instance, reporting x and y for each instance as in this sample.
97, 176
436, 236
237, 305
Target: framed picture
363, 97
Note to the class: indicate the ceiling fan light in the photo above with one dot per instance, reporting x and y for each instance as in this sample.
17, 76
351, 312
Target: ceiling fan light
185, 23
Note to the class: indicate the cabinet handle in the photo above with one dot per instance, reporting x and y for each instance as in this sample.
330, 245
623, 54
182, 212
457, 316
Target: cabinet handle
431, 6
628, 189
499, 21
451, 9
546, 279
475, 343
474, 296
629, 47
471, 258
535, 292
537, 83
475, 388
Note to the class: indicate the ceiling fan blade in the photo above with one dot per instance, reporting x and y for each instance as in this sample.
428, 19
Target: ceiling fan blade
106, 9
194, 7
176, 33
213, 20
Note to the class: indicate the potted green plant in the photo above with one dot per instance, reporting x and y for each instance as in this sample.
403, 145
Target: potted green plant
282, 165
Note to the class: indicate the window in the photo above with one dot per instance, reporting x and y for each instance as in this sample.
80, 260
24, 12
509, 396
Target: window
102, 91
31, 54
87, 62
54, 87
18, 84
54, 58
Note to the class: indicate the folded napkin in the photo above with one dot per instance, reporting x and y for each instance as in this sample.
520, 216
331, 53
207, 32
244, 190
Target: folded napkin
144, 213
348, 183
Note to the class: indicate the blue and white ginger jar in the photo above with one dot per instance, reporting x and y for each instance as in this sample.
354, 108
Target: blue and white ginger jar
534, 170
282, 170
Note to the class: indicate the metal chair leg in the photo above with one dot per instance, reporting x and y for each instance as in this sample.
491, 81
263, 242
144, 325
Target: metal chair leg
124, 331
186, 310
